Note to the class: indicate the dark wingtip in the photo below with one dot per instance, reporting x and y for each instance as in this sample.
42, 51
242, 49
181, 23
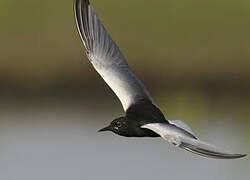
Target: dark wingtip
210, 153
242, 155
82, 21
234, 156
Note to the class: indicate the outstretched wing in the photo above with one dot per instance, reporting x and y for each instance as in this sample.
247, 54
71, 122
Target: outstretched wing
107, 58
186, 140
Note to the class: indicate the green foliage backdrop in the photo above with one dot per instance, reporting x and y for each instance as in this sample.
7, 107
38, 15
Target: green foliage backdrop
198, 41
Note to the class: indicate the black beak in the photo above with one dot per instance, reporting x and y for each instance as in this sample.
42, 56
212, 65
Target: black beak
108, 128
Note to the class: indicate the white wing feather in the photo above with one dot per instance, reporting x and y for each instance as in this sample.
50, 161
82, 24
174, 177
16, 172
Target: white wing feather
181, 138
182, 125
107, 58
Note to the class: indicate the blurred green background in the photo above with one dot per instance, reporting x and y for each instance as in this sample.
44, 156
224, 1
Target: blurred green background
193, 56
184, 44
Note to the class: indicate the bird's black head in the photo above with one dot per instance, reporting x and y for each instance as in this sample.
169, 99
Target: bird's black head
118, 126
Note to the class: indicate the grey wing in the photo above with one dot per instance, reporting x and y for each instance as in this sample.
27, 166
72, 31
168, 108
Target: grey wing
107, 58
188, 141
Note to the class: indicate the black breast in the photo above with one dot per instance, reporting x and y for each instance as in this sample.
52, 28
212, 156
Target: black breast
141, 113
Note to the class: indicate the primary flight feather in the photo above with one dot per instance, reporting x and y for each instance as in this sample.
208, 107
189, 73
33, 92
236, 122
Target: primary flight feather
143, 118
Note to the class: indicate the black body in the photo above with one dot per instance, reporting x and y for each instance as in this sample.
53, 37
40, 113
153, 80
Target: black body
137, 115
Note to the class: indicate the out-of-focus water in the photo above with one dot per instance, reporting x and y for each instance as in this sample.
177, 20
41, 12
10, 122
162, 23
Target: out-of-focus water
60, 142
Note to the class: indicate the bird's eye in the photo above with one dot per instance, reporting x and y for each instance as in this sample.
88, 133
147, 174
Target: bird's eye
119, 124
